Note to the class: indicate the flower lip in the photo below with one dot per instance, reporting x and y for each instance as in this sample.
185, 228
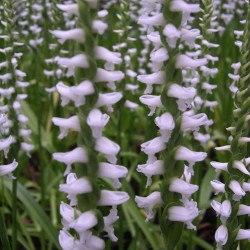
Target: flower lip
112, 198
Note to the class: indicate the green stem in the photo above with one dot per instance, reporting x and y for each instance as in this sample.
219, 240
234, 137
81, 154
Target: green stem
3, 232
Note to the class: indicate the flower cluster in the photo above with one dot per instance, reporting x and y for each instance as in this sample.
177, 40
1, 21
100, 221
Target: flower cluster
236, 188
81, 185
175, 71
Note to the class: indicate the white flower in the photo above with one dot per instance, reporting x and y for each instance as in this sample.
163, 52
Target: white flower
107, 55
166, 124
184, 214
152, 147
221, 236
243, 210
8, 169
103, 75
65, 93
185, 154
112, 171
77, 155
152, 101
65, 124
155, 168
93, 243
26, 147
5, 145
68, 214
193, 122
84, 222
182, 187
243, 234
185, 8
240, 166
185, 95
74, 34
108, 100
246, 186
112, 198
66, 240
236, 188
80, 91
69, 8
148, 203
223, 209
150, 79
109, 221
99, 26
219, 165
172, 34
97, 121
131, 105
218, 186
189, 36
75, 186
79, 60
184, 61
155, 20
107, 147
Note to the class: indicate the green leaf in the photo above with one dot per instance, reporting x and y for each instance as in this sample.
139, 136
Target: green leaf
35, 211
133, 212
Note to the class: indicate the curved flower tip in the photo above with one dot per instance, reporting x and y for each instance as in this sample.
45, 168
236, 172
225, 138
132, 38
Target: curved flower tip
94, 242
77, 155
69, 8
184, 214
218, 186
107, 55
84, 222
75, 186
108, 100
107, 147
65, 124
112, 198
149, 170
219, 165
103, 75
66, 240
112, 171
152, 101
221, 236
149, 80
8, 169
243, 234
185, 154
5, 145
236, 188
155, 20
184, 188
75, 34
148, 203
152, 147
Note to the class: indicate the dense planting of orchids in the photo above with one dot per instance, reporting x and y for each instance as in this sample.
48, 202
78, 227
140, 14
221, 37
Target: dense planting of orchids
15, 135
236, 186
81, 187
169, 29
132, 98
